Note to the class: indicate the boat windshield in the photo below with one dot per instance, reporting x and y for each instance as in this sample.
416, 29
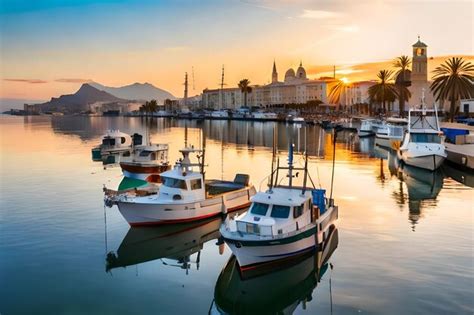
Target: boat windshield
108, 141
173, 182
280, 212
425, 138
259, 208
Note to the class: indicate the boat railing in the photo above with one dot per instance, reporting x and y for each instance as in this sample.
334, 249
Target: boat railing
263, 231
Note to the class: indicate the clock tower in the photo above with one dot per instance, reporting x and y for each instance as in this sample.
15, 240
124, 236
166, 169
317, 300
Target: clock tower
419, 71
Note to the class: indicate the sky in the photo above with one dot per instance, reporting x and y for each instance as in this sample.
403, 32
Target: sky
50, 47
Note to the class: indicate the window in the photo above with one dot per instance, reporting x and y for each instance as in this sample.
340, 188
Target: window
259, 208
298, 211
425, 138
145, 153
196, 184
108, 141
281, 212
173, 182
122, 139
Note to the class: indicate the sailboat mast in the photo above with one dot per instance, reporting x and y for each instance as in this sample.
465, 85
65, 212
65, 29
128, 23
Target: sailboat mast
185, 89
273, 157
222, 88
305, 178
290, 162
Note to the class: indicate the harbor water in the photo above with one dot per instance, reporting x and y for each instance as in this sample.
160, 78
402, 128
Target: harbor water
405, 235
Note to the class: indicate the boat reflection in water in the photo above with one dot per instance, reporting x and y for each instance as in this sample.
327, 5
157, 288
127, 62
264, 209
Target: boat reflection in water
423, 187
278, 290
173, 244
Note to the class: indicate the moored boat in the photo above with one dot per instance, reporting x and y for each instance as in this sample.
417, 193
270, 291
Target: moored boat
282, 222
184, 196
113, 142
146, 162
422, 144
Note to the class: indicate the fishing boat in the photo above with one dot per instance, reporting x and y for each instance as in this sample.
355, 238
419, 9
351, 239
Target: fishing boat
422, 144
113, 142
184, 196
367, 128
282, 222
146, 162
280, 290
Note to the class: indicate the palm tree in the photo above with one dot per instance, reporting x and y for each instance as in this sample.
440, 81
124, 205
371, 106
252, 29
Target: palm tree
245, 88
402, 64
337, 90
384, 90
453, 80
152, 106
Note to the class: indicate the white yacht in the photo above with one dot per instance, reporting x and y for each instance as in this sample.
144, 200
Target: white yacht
423, 145
146, 162
184, 196
367, 128
282, 222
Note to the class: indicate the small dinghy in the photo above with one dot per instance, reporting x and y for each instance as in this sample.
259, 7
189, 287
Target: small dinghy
284, 221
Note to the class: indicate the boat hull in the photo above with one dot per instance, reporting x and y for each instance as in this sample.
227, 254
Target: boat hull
430, 161
143, 211
142, 172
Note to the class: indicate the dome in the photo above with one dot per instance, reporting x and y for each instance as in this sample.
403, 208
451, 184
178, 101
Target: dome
301, 73
290, 74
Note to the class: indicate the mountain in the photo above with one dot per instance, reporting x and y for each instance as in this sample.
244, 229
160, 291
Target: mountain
79, 101
136, 91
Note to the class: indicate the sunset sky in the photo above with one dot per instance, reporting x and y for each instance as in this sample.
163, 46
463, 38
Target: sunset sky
49, 48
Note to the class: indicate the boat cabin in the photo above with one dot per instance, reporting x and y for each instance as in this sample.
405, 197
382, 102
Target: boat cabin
151, 154
115, 139
282, 211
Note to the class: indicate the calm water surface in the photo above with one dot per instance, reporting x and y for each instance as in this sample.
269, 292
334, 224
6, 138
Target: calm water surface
405, 236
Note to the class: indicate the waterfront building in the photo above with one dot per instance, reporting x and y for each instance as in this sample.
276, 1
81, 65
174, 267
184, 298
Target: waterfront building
296, 88
419, 75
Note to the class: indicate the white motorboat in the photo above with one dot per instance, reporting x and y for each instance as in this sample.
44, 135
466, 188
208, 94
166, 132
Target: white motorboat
220, 114
282, 222
423, 145
113, 142
367, 128
146, 162
389, 136
260, 115
184, 196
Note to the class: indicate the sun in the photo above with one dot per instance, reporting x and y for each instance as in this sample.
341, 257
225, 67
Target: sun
345, 80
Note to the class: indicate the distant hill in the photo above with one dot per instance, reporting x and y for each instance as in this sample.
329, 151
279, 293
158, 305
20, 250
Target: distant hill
79, 101
136, 91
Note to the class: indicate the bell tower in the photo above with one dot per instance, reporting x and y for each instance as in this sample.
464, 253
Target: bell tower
274, 73
419, 71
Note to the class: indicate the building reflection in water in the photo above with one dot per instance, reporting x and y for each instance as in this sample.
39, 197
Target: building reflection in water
278, 290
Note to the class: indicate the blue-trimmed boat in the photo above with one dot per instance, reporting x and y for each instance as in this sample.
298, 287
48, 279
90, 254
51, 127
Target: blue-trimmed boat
284, 221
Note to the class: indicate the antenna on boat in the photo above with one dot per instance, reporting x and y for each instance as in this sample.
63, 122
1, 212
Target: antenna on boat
273, 157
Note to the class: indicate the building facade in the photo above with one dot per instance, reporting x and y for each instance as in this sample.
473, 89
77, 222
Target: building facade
296, 88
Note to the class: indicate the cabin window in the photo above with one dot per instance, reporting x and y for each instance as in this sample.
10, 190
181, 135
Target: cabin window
108, 141
153, 156
425, 138
280, 212
144, 153
298, 211
173, 182
122, 139
126, 154
259, 208
196, 184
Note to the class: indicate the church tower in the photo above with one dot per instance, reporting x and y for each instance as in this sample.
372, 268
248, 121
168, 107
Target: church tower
274, 73
419, 71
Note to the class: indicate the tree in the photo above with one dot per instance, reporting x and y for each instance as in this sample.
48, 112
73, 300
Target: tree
402, 64
337, 90
152, 106
453, 80
245, 88
383, 91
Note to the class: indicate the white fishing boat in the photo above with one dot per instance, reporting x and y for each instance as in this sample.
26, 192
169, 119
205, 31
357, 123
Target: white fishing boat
184, 196
282, 222
146, 162
113, 142
389, 136
423, 145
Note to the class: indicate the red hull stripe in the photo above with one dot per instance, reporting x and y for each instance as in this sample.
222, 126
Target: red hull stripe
144, 169
161, 222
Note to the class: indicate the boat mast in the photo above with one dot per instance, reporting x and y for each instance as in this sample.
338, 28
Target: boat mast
186, 90
305, 178
290, 162
273, 158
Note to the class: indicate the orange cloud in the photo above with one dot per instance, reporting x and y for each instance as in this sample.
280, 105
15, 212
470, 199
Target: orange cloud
30, 81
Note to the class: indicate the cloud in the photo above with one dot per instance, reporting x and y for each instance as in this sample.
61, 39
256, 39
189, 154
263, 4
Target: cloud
73, 80
319, 14
30, 81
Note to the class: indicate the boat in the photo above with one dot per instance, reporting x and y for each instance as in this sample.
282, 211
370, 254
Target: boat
283, 221
389, 136
367, 128
220, 114
422, 144
146, 162
261, 115
280, 290
184, 196
113, 142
